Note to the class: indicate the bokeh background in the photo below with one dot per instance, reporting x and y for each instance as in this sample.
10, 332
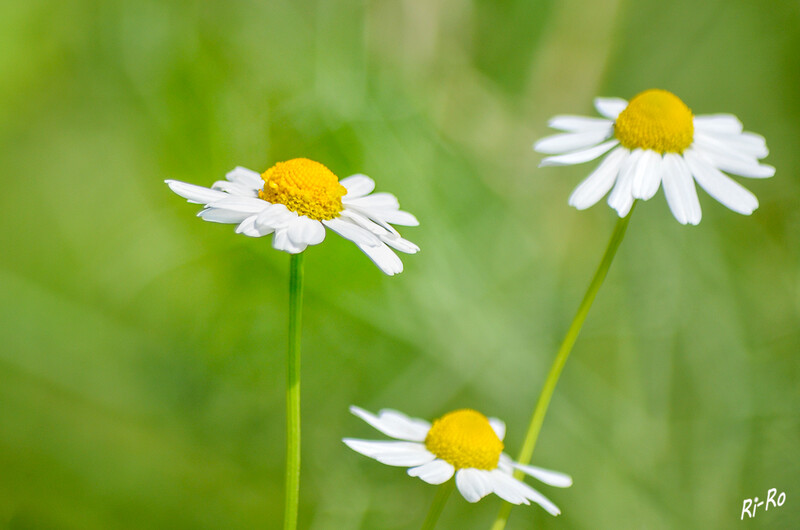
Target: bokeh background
142, 357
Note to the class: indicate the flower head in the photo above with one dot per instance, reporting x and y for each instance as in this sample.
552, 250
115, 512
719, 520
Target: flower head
464, 443
296, 199
655, 139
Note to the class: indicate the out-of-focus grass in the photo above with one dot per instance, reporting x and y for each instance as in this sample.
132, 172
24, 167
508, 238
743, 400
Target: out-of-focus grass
141, 372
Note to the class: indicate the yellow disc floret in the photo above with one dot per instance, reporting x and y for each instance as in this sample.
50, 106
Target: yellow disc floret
656, 120
465, 438
305, 187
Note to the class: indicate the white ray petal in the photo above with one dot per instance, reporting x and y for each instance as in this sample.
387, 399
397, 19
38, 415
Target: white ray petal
305, 231
195, 194
621, 198
505, 464
434, 472
235, 188
720, 186
597, 184
392, 453
510, 484
647, 175
399, 243
221, 215
246, 177
273, 217
566, 142
507, 487
357, 186
746, 145
610, 107
382, 256
349, 230
247, 205
281, 241
725, 123
377, 201
679, 190
549, 477
395, 424
578, 123
473, 484
499, 427
578, 157
248, 228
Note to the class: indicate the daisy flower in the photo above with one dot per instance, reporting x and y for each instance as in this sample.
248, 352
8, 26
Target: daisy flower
295, 200
464, 443
655, 139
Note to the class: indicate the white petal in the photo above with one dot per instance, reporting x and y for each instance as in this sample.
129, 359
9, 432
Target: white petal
195, 194
597, 184
434, 472
610, 107
513, 487
363, 220
395, 424
247, 205
647, 175
398, 243
349, 230
273, 217
680, 191
551, 478
499, 427
235, 188
377, 201
357, 186
247, 177
305, 231
621, 198
221, 215
749, 142
392, 453
746, 145
720, 186
754, 171
507, 487
578, 123
281, 241
731, 157
248, 228
505, 464
564, 143
396, 217
382, 256
725, 123
578, 157
473, 484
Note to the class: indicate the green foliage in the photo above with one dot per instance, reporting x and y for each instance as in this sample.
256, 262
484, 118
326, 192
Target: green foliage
143, 358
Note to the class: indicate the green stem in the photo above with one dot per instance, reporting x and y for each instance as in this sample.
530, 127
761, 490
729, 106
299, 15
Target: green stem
442, 494
561, 358
293, 392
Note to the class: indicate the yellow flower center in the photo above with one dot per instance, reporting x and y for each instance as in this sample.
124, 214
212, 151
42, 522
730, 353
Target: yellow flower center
465, 438
305, 187
656, 120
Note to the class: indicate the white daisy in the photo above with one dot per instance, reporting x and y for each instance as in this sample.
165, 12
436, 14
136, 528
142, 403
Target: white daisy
654, 139
296, 199
465, 443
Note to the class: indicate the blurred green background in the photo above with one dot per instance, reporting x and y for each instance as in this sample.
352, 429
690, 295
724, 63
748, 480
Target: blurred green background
142, 357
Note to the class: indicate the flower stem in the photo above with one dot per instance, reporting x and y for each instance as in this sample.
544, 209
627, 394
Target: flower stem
293, 392
561, 358
442, 494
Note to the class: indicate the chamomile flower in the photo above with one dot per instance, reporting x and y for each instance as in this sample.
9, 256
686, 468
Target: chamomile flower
464, 443
295, 200
655, 139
